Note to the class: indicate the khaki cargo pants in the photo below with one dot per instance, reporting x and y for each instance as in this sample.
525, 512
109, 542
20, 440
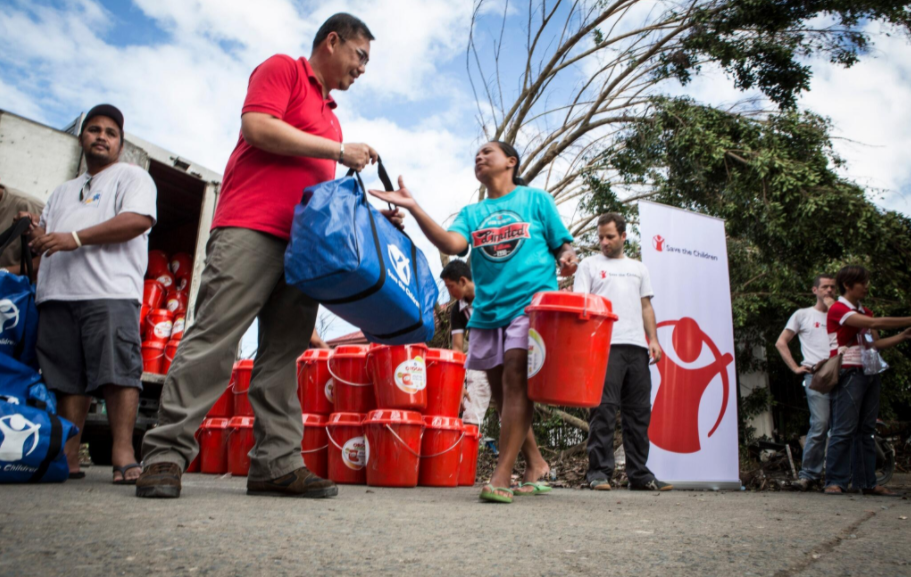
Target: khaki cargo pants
244, 278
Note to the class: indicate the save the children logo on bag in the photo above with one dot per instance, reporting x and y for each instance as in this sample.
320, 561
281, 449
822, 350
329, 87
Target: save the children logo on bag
354, 453
697, 362
537, 352
500, 235
401, 264
411, 376
9, 315
20, 438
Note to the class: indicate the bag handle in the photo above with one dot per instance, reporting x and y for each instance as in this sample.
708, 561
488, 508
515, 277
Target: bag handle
18, 230
381, 171
55, 444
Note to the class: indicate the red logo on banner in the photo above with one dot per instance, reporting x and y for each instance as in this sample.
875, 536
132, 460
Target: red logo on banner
675, 414
658, 242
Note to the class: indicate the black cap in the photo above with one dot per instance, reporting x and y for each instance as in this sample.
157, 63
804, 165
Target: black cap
108, 110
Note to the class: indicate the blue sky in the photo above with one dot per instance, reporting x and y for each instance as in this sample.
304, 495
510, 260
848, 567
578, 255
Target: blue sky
178, 69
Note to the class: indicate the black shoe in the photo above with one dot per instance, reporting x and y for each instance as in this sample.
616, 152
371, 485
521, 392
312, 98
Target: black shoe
653, 485
298, 483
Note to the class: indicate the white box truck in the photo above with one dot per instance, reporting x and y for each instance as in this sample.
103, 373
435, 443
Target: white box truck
36, 158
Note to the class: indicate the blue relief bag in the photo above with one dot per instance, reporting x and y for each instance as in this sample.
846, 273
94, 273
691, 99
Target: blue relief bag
31, 444
347, 256
18, 313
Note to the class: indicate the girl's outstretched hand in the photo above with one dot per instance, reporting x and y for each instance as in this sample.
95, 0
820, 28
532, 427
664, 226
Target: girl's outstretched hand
401, 197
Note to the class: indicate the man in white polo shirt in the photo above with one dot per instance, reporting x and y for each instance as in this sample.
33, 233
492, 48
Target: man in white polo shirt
809, 325
628, 384
93, 240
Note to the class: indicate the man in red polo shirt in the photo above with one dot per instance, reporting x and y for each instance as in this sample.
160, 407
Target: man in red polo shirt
290, 139
855, 399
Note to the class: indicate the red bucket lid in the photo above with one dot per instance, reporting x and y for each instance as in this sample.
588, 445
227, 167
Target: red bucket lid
576, 303
241, 422
162, 312
444, 423
471, 430
246, 364
154, 345
215, 424
445, 356
373, 347
350, 352
342, 419
393, 417
315, 355
150, 282
313, 420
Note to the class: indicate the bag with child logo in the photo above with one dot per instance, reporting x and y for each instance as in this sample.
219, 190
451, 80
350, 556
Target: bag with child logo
18, 313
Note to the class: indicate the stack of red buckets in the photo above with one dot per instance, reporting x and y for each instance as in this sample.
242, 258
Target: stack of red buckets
164, 307
386, 416
226, 435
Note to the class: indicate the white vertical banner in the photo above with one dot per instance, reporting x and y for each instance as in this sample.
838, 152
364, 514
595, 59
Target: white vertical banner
693, 431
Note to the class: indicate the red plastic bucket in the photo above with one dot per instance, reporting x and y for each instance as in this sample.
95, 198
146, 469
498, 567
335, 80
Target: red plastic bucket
399, 375
176, 302
441, 452
568, 348
315, 445
180, 321
213, 446
158, 264
393, 448
153, 294
347, 448
353, 390
239, 385
158, 325
143, 313
445, 379
181, 265
152, 357
193, 467
224, 406
240, 443
468, 469
170, 351
314, 383
167, 280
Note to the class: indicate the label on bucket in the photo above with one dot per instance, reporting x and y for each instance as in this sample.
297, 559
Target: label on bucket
536, 352
354, 453
163, 329
411, 376
166, 280
178, 326
173, 304
330, 387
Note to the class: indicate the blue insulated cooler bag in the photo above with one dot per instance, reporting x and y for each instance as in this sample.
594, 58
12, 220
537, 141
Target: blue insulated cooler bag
347, 256
18, 314
31, 444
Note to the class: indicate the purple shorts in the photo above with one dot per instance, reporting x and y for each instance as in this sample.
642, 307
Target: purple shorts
486, 346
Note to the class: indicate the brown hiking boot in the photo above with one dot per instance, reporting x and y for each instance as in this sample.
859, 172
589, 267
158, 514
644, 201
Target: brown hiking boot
159, 481
298, 483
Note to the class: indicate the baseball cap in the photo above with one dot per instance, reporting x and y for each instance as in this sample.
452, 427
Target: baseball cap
108, 110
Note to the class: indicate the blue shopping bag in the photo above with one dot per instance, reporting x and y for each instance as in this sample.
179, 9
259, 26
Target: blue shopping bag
347, 256
18, 313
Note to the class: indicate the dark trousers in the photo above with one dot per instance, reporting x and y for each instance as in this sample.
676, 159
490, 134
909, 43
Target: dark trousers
627, 387
852, 449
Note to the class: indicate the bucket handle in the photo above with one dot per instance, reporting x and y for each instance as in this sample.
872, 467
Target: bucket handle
156, 357
331, 440
341, 380
404, 444
584, 315
447, 450
326, 446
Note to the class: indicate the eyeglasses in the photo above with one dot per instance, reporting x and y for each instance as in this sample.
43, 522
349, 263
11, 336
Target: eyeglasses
85, 187
362, 57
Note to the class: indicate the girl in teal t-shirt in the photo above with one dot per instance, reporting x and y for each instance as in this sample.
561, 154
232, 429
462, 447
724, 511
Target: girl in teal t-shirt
517, 239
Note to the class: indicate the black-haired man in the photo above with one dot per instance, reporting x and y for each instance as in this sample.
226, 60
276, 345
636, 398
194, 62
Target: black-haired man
809, 324
93, 238
290, 139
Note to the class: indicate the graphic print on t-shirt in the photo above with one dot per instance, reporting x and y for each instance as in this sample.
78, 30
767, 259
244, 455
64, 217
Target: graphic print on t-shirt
500, 235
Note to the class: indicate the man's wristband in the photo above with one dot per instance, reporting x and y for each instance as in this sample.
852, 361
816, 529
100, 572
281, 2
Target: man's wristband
341, 151
76, 238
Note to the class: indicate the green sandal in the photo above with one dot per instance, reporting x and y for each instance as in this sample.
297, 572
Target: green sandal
540, 487
489, 493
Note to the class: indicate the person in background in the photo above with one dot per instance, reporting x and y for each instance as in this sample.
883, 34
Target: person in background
93, 241
628, 383
517, 239
316, 342
809, 324
855, 399
12, 202
289, 139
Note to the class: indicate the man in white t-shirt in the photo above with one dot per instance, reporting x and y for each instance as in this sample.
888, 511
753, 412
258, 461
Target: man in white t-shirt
628, 384
93, 238
809, 325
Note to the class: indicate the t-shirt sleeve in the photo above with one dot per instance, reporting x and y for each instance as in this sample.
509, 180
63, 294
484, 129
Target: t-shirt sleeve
138, 194
839, 313
645, 287
582, 282
271, 86
793, 323
457, 322
555, 232
461, 226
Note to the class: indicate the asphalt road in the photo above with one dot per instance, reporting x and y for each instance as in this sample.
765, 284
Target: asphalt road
91, 527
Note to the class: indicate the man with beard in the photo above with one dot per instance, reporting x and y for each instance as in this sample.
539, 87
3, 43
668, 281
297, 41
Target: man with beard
93, 239
628, 384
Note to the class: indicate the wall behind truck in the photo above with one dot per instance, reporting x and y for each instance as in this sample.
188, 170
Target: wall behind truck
35, 158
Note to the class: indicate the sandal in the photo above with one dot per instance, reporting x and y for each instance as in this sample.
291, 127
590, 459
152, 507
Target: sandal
123, 474
492, 494
538, 488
